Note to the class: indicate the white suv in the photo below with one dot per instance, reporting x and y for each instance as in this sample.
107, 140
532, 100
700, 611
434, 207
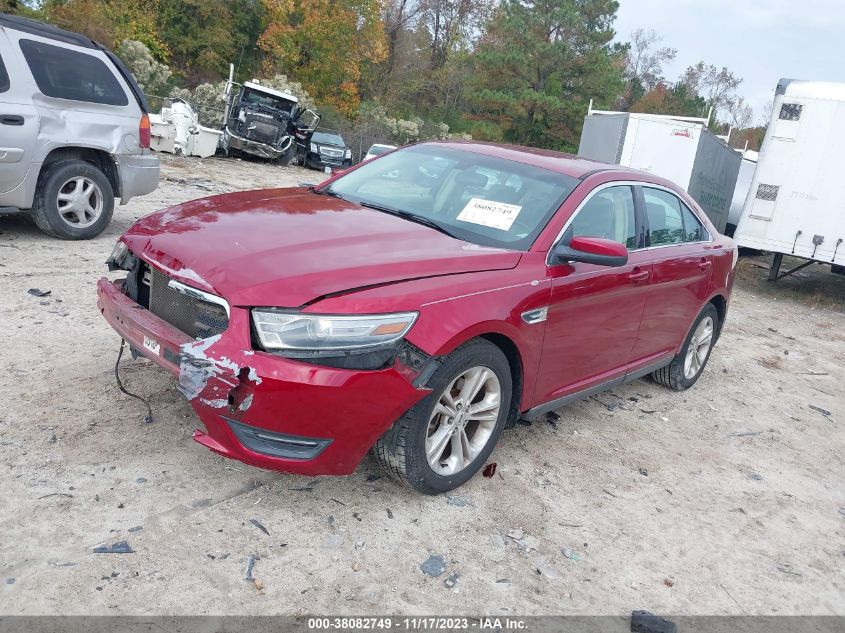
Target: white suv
74, 131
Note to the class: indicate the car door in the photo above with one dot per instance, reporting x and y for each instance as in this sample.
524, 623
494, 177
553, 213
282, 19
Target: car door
595, 311
682, 262
18, 119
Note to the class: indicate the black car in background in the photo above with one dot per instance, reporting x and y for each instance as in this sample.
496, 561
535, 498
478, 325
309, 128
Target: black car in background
327, 149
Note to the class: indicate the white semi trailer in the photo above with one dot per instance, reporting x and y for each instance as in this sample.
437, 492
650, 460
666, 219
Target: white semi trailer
680, 149
796, 203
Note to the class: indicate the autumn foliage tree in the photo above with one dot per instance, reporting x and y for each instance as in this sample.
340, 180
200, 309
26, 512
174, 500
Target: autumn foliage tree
325, 45
111, 21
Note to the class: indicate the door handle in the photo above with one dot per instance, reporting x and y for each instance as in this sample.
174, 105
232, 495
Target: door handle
704, 264
11, 119
638, 275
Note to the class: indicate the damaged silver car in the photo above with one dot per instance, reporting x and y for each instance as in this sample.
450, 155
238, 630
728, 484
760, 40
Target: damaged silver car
74, 130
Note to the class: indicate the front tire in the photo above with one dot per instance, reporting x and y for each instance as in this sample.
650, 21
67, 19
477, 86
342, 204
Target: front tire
688, 365
74, 201
442, 441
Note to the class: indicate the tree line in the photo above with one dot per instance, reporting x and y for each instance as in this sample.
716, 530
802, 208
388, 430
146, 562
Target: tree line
518, 71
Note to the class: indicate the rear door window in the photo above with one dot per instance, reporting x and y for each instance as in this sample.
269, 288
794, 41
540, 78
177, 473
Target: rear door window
694, 231
4, 77
670, 221
665, 221
67, 74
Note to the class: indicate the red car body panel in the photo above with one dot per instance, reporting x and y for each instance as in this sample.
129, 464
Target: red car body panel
293, 248
234, 245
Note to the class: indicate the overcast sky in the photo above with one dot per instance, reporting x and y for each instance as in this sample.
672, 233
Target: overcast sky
759, 40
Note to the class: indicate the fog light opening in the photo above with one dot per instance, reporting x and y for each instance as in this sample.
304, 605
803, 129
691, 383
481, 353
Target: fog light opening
240, 396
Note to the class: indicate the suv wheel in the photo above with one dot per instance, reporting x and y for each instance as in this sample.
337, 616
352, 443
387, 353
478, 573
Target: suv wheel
74, 201
442, 441
686, 367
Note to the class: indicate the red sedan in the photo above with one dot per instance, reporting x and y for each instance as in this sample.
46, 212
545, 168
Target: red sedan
418, 304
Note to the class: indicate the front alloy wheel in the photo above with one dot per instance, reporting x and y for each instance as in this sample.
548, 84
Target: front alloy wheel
463, 420
442, 441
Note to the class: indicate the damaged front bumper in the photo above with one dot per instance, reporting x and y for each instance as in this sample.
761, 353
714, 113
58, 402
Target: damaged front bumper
256, 148
262, 409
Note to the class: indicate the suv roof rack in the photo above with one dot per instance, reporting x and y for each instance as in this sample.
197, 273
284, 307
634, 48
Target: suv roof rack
34, 27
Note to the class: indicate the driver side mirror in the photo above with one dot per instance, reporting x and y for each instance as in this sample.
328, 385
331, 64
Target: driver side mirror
591, 250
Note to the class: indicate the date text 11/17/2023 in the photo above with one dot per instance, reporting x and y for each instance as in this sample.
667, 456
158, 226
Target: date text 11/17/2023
421, 623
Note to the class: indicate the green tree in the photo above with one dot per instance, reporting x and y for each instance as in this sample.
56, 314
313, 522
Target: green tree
28, 8
677, 100
539, 63
109, 21
205, 36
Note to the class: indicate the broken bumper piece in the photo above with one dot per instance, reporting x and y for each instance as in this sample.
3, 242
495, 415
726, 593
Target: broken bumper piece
262, 409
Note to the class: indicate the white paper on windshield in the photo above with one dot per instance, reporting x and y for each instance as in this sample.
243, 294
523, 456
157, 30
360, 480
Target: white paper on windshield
497, 215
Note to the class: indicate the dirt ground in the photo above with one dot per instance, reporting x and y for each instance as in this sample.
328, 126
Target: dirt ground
726, 499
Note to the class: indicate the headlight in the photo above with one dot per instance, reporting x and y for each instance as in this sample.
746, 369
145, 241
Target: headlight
347, 153
297, 331
118, 251
315, 148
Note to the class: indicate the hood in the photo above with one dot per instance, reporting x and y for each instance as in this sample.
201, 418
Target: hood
288, 247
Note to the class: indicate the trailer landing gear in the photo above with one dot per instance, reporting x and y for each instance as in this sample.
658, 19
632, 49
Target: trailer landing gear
774, 269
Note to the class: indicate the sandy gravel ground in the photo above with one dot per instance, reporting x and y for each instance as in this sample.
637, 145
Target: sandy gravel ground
726, 499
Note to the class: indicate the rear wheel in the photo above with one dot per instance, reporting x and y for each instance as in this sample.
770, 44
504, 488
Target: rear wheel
73, 201
441, 442
687, 366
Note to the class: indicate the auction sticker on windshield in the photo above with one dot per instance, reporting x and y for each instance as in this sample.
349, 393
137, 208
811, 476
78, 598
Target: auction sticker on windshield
496, 215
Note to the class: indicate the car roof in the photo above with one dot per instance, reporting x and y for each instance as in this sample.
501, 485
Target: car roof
34, 27
560, 162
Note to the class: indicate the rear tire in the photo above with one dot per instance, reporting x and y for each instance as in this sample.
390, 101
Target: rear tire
73, 200
688, 365
404, 450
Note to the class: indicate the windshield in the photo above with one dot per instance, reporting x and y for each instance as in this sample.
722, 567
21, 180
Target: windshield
375, 150
328, 139
270, 101
480, 199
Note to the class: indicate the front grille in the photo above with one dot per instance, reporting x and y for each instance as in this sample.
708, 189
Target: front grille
331, 152
193, 316
262, 132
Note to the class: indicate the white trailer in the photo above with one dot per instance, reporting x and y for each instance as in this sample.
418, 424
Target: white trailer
796, 204
743, 185
680, 149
